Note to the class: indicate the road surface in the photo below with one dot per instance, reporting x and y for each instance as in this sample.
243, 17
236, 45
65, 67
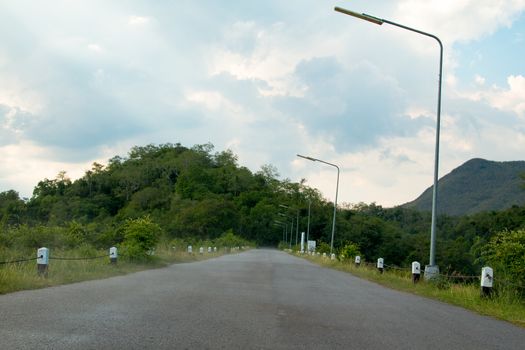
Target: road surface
260, 299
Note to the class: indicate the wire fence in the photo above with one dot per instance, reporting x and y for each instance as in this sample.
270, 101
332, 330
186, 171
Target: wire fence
458, 278
78, 258
17, 261
51, 258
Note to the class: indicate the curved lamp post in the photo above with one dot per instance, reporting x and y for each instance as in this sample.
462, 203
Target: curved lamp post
432, 269
291, 228
336, 192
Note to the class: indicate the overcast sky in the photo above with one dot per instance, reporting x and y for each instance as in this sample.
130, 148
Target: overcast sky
83, 81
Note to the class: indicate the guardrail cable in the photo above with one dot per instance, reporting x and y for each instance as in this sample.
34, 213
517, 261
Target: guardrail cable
77, 258
17, 261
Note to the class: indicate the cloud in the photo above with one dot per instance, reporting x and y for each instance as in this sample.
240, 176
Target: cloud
459, 20
511, 99
352, 108
138, 20
506, 99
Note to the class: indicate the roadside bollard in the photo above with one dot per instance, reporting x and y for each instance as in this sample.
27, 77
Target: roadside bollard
190, 249
357, 261
380, 265
416, 271
42, 261
209, 249
113, 255
487, 279
332, 257
324, 255
215, 249
201, 250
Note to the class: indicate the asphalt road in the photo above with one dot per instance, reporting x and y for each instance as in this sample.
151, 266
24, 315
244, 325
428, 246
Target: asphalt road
260, 299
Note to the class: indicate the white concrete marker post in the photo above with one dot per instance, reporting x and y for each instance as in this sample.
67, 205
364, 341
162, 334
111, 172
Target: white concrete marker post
332, 257
42, 261
215, 249
113, 255
380, 264
311, 246
302, 242
209, 249
357, 261
487, 281
201, 250
190, 249
416, 271
324, 255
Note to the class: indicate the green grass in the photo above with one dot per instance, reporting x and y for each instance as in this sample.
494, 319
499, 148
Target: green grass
23, 276
506, 304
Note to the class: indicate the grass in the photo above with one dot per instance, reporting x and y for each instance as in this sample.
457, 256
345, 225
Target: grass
23, 276
506, 304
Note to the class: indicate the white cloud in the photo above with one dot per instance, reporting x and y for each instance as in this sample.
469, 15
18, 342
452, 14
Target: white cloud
95, 48
479, 80
459, 20
25, 164
138, 20
510, 99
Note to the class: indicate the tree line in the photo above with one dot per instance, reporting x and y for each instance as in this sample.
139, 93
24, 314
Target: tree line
197, 193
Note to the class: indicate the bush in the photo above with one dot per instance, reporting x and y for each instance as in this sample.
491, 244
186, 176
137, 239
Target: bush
140, 238
229, 240
505, 253
323, 247
349, 252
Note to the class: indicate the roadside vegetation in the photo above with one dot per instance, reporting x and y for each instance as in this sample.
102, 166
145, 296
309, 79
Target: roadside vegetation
140, 251
506, 301
160, 194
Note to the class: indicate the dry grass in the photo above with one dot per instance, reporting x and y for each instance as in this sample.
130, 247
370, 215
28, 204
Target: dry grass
22, 276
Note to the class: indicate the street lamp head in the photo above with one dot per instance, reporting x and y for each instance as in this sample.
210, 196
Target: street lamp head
309, 158
363, 16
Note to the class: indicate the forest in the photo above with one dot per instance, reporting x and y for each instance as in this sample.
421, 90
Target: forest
198, 193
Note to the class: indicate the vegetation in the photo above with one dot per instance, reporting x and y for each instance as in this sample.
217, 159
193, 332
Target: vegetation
505, 304
173, 195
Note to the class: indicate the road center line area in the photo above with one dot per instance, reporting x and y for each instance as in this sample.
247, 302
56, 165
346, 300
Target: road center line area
259, 299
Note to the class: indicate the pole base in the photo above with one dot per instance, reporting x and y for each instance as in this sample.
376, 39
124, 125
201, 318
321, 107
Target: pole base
431, 272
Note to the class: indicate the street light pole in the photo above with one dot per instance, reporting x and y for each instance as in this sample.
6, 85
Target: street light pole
336, 192
297, 228
308, 225
432, 269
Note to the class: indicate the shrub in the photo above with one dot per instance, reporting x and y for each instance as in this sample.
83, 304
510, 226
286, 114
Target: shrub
349, 251
140, 238
323, 247
506, 254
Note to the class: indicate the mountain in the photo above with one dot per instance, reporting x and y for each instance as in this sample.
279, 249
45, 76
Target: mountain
476, 186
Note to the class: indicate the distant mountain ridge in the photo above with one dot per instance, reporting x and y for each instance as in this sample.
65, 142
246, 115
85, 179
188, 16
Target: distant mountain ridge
477, 185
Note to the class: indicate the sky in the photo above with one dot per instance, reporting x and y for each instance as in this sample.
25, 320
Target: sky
83, 81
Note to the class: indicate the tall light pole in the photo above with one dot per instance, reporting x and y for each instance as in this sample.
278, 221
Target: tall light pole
283, 225
432, 269
336, 192
308, 225
297, 225
291, 228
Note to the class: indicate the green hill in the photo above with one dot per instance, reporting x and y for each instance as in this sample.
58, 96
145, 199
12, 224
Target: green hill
476, 186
